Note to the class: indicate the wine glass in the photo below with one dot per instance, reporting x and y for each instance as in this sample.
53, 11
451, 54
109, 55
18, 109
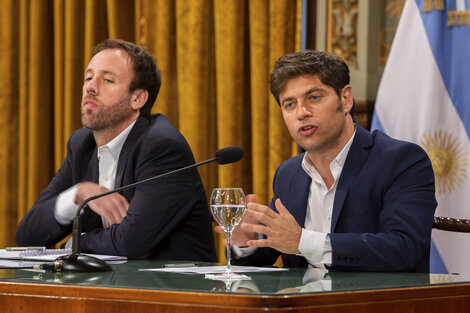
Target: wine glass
227, 207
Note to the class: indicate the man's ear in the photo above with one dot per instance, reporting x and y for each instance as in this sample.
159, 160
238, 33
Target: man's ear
139, 98
347, 98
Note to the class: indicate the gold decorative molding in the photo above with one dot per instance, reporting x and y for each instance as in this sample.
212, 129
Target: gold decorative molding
457, 18
430, 5
342, 29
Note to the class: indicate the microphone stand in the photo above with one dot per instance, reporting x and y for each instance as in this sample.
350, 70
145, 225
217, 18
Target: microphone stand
77, 262
77, 221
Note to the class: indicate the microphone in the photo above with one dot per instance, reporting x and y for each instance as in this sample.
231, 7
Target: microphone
77, 262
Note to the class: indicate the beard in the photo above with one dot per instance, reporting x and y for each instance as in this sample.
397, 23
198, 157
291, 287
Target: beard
107, 116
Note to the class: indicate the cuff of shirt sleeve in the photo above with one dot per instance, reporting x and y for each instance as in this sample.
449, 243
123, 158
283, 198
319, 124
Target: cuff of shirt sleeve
315, 247
242, 252
239, 252
65, 207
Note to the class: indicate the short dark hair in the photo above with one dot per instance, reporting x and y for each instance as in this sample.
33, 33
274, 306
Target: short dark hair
146, 73
332, 70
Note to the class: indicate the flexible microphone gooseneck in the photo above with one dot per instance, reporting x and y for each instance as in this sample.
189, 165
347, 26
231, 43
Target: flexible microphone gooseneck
77, 262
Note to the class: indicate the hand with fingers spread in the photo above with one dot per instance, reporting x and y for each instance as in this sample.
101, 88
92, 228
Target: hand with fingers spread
112, 207
240, 237
282, 230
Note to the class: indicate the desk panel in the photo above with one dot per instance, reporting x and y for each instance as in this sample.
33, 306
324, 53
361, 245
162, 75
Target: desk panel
127, 289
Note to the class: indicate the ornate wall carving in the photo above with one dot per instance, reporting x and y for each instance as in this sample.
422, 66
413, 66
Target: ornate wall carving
343, 19
362, 31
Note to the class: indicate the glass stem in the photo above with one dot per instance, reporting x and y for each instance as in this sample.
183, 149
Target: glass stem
229, 252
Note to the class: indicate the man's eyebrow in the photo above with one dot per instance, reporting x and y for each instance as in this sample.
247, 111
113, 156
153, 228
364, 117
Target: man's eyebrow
287, 99
306, 93
88, 70
314, 89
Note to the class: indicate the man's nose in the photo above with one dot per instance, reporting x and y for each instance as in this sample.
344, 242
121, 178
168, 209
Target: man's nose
303, 110
91, 87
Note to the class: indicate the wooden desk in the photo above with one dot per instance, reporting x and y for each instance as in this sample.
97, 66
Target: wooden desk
128, 290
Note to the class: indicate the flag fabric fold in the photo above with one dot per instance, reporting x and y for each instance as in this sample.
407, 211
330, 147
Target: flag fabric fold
424, 97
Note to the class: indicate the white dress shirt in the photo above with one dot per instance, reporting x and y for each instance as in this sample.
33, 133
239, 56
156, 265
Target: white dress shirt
314, 242
108, 157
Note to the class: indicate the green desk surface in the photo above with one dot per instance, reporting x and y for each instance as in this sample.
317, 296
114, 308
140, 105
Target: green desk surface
295, 280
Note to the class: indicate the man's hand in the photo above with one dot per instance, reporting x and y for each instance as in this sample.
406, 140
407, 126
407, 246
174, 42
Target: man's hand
281, 228
112, 207
240, 236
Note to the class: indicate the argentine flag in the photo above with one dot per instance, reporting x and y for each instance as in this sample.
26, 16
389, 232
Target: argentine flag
424, 97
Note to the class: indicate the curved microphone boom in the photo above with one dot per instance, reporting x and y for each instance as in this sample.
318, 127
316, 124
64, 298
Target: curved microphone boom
77, 262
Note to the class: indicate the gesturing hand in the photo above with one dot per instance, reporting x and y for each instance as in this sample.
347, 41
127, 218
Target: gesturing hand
113, 207
282, 230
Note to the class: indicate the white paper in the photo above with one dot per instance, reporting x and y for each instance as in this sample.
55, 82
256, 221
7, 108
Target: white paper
213, 269
49, 255
4, 264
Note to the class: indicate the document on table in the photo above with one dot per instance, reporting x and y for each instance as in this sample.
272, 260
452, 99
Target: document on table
213, 269
49, 255
18, 264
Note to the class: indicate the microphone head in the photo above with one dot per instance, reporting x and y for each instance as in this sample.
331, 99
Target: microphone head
229, 155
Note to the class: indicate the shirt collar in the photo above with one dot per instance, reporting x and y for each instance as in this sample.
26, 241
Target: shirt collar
335, 166
341, 157
115, 145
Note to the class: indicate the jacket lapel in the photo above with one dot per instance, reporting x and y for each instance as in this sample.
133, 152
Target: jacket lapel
300, 187
94, 165
140, 125
357, 156
93, 220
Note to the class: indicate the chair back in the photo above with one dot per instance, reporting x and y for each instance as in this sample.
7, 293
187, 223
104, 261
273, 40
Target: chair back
451, 224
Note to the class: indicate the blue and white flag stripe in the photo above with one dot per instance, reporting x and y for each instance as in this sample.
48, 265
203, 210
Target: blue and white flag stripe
424, 97
457, 5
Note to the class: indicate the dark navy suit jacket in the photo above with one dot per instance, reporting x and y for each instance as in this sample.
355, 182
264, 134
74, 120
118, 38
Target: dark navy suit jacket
382, 212
167, 219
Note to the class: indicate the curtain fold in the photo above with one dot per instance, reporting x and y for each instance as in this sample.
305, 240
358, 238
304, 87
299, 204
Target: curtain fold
215, 57
196, 89
282, 26
35, 101
9, 119
161, 15
68, 60
96, 25
121, 15
260, 69
231, 82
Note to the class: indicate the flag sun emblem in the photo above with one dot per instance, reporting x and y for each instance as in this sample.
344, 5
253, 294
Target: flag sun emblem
448, 158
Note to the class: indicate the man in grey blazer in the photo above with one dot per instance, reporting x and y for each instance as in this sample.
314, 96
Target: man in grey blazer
354, 200
123, 143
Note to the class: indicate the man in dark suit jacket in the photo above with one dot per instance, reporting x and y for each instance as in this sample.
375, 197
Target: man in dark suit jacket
122, 144
354, 200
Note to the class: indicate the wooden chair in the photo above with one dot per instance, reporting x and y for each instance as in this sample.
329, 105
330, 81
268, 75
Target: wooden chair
451, 224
